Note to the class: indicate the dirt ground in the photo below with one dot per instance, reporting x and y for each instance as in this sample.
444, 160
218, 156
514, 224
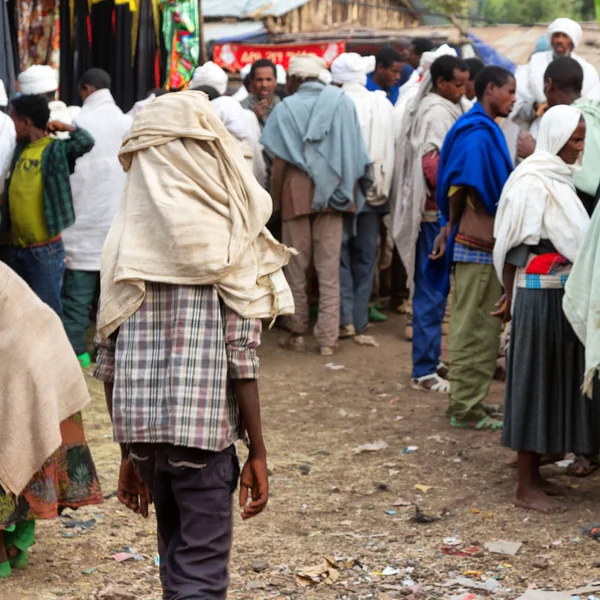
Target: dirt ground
328, 501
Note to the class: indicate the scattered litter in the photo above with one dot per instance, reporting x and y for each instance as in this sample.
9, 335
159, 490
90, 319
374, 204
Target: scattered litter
388, 571
456, 551
394, 400
327, 572
402, 502
489, 585
398, 418
391, 513
452, 541
593, 531
302, 394
423, 517
483, 513
410, 449
157, 561
423, 488
374, 447
472, 573
534, 594
563, 464
89, 571
503, 547
334, 367
122, 556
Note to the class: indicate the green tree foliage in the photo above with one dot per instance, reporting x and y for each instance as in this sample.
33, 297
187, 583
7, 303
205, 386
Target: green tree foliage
517, 11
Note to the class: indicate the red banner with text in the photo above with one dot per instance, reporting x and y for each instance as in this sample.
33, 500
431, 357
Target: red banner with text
234, 57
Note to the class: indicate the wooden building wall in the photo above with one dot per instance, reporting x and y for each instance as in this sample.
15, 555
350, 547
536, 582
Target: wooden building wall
321, 15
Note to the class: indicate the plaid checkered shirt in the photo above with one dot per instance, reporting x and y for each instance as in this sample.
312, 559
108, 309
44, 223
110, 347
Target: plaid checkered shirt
171, 364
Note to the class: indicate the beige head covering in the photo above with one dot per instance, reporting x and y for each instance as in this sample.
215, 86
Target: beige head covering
38, 79
306, 66
212, 75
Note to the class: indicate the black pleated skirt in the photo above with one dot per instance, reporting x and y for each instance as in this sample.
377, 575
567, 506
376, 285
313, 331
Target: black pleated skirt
545, 409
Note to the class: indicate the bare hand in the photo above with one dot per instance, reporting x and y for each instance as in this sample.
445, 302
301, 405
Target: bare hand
439, 244
525, 145
132, 491
260, 110
59, 126
254, 483
503, 313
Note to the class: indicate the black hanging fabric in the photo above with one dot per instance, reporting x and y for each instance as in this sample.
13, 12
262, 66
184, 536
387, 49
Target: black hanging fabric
123, 82
146, 52
102, 34
9, 56
66, 76
82, 56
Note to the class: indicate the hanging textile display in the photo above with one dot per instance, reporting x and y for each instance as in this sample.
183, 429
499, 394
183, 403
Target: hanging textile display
38, 32
7, 57
182, 42
148, 55
66, 75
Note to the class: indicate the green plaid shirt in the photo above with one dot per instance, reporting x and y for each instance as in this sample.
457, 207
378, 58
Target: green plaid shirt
58, 163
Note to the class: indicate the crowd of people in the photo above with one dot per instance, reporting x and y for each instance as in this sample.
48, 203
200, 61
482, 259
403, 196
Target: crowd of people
464, 191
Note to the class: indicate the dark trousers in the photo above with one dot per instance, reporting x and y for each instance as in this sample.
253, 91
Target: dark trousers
43, 268
428, 307
192, 491
79, 292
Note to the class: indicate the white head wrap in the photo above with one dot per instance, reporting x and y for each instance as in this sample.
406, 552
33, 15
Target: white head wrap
557, 127
306, 66
428, 58
211, 75
281, 74
369, 63
568, 27
38, 79
3, 96
245, 71
349, 67
325, 77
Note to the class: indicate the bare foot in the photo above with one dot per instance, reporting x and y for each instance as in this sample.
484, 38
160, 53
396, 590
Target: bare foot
551, 489
533, 498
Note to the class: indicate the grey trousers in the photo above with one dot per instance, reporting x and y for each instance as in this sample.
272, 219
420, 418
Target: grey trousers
192, 491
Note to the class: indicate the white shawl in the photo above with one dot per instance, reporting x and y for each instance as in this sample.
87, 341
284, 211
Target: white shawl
428, 119
375, 117
539, 200
192, 214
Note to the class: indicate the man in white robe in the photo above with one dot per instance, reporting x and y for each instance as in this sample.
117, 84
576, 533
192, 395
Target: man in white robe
241, 123
359, 244
565, 36
97, 185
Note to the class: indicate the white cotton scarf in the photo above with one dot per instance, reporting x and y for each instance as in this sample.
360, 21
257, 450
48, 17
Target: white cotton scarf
428, 119
539, 199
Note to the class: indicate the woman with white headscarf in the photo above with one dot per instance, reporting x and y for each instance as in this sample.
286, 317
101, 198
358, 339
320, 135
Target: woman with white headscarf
539, 227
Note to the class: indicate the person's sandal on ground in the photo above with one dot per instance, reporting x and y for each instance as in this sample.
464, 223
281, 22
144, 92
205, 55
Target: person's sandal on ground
583, 466
486, 424
293, 342
430, 383
327, 350
365, 340
347, 331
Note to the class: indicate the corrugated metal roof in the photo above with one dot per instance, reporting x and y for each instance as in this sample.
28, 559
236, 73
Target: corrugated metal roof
237, 30
241, 9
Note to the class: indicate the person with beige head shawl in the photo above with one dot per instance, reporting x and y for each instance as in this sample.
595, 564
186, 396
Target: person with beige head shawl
45, 464
188, 271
